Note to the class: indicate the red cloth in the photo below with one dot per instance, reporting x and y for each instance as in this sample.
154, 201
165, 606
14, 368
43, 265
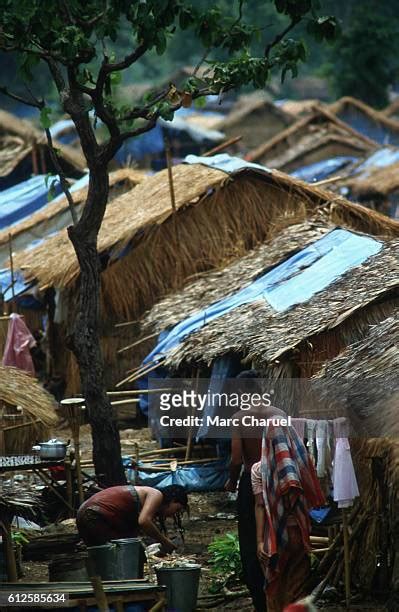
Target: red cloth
19, 341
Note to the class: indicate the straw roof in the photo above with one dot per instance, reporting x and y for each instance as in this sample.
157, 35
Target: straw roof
379, 117
124, 177
147, 207
18, 138
383, 181
299, 107
313, 133
364, 380
19, 389
250, 106
259, 333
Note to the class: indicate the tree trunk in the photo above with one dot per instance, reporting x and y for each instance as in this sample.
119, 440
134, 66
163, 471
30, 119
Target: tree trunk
85, 337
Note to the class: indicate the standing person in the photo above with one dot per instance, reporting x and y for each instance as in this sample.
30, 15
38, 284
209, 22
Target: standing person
285, 486
246, 446
122, 511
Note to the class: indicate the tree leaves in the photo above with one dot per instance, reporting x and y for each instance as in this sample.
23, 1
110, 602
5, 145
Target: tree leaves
45, 120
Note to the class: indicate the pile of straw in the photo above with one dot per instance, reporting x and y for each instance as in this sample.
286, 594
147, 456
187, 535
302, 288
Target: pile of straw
38, 410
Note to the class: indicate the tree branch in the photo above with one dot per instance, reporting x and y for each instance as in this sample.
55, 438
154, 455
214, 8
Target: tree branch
18, 98
280, 36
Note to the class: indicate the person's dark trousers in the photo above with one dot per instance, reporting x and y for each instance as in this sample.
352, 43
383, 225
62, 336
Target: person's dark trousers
252, 571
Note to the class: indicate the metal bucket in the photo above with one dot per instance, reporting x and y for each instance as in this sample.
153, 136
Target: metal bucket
182, 586
102, 561
129, 558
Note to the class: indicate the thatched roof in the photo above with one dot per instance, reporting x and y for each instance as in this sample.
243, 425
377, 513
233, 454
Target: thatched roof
299, 107
19, 389
364, 378
19, 137
148, 206
321, 129
383, 181
255, 330
242, 110
125, 177
348, 103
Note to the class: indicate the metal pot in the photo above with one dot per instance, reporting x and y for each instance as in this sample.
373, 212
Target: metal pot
53, 449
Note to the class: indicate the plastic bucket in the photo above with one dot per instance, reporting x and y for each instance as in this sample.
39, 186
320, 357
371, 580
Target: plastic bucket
102, 561
129, 558
182, 586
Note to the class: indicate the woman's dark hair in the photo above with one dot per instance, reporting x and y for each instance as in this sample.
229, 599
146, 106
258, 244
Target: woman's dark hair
174, 493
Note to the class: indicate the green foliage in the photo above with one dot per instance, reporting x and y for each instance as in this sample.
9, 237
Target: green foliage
363, 62
19, 538
225, 560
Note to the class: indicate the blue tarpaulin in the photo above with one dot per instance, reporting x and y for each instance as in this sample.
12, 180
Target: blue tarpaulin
380, 159
20, 286
196, 478
224, 162
322, 169
58, 128
20, 201
292, 282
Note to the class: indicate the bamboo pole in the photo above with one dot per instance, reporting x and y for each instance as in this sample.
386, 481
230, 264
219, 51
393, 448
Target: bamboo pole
170, 173
11, 269
126, 323
129, 346
125, 401
139, 374
99, 594
222, 146
138, 391
345, 529
190, 431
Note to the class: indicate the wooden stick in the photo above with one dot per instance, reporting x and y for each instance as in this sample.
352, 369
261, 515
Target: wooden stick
8, 547
126, 323
345, 529
138, 391
11, 268
129, 346
327, 180
170, 173
99, 594
125, 401
190, 430
141, 372
222, 146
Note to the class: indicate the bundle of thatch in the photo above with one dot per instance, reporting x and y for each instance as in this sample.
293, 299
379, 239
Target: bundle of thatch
378, 183
317, 136
27, 411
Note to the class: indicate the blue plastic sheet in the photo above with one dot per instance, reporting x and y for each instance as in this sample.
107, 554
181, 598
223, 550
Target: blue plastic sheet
380, 159
149, 143
22, 200
322, 169
20, 286
64, 124
193, 478
292, 282
224, 162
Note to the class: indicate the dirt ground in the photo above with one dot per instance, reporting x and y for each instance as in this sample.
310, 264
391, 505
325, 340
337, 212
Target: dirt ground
212, 514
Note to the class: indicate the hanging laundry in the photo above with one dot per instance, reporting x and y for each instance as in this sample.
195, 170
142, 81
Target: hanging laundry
19, 341
323, 448
344, 477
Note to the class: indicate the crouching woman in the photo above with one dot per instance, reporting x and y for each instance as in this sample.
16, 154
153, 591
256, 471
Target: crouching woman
125, 511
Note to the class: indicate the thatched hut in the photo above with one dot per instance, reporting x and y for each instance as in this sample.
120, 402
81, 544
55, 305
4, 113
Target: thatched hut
24, 151
316, 137
363, 382
27, 412
148, 249
299, 108
366, 120
377, 188
56, 215
255, 119
291, 341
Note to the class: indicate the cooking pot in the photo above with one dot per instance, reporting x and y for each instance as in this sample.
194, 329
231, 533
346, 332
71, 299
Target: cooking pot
53, 449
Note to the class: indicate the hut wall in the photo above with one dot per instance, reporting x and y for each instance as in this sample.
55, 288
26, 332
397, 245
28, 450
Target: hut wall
256, 128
